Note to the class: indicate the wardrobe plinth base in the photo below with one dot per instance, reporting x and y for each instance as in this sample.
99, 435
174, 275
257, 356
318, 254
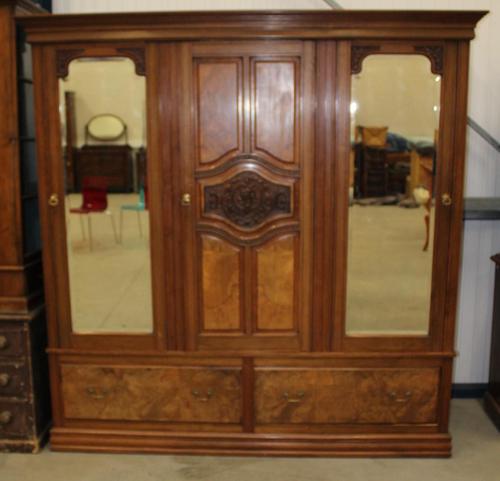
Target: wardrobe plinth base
394, 445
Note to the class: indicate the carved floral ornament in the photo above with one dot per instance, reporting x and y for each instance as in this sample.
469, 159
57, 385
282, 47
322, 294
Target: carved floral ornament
247, 199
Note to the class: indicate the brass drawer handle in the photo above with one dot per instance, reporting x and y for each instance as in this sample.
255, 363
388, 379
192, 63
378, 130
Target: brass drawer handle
186, 199
4, 379
400, 399
299, 397
199, 396
97, 393
446, 199
4, 342
5, 417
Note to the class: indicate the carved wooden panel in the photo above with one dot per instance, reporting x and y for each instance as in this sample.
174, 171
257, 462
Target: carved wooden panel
276, 283
322, 396
247, 199
218, 102
275, 85
221, 284
187, 394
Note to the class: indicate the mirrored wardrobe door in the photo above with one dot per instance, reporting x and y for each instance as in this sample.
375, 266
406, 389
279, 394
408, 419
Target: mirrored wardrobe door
103, 133
395, 115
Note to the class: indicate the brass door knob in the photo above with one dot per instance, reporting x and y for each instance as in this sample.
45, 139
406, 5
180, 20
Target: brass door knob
5, 417
4, 379
54, 200
446, 199
3, 342
186, 199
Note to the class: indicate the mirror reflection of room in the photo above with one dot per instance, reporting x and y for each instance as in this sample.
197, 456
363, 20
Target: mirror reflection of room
102, 105
395, 103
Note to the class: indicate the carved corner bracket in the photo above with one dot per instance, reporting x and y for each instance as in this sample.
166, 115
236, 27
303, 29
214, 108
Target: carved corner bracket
247, 200
64, 57
359, 53
435, 53
137, 55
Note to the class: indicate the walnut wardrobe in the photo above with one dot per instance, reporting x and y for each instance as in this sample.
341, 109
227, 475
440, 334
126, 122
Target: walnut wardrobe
259, 305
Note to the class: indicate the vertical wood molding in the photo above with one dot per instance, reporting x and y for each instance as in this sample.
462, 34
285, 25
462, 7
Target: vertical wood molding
324, 195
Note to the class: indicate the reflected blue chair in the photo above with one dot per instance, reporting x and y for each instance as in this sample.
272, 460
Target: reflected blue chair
141, 206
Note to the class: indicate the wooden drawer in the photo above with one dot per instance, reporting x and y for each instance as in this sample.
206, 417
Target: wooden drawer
173, 394
15, 419
11, 342
12, 380
327, 395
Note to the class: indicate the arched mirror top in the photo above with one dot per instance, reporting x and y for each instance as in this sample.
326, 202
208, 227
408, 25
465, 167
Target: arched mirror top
65, 56
435, 54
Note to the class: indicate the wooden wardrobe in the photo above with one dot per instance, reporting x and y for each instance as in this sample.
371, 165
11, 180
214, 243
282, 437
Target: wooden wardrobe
252, 347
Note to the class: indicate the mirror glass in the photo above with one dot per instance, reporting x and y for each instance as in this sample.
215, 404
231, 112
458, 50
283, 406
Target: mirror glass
106, 127
395, 104
106, 203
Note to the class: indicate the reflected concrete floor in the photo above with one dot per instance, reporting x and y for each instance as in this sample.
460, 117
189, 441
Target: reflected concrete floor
389, 275
476, 457
110, 284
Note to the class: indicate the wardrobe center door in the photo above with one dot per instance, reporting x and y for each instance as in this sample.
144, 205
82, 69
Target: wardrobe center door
247, 191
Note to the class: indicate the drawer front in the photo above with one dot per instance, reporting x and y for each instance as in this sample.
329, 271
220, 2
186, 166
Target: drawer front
348, 396
171, 394
11, 342
13, 380
15, 419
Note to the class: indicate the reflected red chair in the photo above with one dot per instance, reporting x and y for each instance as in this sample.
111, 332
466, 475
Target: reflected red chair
94, 201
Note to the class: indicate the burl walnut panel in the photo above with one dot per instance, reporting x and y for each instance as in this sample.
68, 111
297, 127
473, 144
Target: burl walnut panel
324, 396
218, 98
187, 394
275, 109
221, 284
275, 283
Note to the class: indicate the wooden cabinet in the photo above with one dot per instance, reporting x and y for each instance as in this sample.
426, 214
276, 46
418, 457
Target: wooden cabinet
492, 396
24, 390
250, 340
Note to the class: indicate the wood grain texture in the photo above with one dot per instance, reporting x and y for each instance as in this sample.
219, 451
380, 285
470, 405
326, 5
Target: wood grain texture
151, 393
218, 98
276, 275
274, 84
323, 396
221, 285
336, 24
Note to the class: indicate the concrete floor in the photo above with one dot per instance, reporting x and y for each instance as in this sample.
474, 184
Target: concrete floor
476, 457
